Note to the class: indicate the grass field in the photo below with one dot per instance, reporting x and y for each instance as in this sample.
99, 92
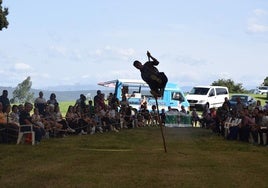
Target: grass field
135, 158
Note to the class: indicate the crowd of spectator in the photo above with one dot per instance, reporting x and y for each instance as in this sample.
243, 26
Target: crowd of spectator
112, 115
84, 117
252, 121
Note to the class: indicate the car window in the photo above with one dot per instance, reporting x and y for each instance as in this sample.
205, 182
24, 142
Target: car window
242, 98
212, 93
199, 91
221, 91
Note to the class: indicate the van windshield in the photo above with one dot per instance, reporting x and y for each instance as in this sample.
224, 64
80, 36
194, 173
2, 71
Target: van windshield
263, 88
199, 91
178, 96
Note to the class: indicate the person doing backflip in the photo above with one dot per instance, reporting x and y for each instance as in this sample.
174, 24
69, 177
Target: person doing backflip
149, 73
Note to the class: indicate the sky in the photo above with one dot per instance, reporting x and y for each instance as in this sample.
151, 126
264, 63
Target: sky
59, 42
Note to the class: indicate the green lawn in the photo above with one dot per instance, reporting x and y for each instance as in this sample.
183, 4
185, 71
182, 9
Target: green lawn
135, 158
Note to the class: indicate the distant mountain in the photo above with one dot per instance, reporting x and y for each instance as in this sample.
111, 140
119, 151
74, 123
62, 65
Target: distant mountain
64, 95
72, 92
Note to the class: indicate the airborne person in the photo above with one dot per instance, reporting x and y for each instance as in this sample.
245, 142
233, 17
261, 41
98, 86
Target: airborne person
150, 74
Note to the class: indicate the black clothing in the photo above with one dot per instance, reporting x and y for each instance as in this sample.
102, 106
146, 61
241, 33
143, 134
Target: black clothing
156, 80
5, 102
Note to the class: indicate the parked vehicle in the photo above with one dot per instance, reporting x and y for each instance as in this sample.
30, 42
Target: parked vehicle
138, 91
201, 97
262, 90
247, 100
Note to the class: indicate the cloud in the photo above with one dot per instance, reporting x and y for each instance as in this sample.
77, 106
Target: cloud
22, 67
260, 12
258, 22
55, 51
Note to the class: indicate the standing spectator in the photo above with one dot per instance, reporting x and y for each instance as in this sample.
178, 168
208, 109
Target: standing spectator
247, 123
110, 98
40, 103
97, 99
163, 117
81, 103
227, 102
91, 109
4, 100
183, 110
52, 99
194, 117
154, 116
239, 106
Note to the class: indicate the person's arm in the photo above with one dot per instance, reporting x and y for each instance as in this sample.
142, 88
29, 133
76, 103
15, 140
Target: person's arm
155, 61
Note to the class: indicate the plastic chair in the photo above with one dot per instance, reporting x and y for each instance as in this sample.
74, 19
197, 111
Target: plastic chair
22, 133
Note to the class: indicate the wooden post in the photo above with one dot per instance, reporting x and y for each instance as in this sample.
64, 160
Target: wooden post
161, 126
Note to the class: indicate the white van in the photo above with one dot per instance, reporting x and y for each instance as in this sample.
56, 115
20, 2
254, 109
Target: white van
201, 97
262, 90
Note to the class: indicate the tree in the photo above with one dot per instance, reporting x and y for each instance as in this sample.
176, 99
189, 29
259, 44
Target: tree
22, 93
233, 88
265, 82
3, 19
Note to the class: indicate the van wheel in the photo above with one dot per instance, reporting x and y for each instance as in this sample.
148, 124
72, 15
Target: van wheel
207, 106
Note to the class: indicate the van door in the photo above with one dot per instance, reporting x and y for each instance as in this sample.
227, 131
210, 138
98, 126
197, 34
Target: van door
212, 98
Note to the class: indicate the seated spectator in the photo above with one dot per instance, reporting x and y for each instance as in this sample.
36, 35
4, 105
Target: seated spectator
36, 118
50, 119
75, 121
259, 106
105, 120
263, 126
9, 129
61, 120
14, 114
25, 119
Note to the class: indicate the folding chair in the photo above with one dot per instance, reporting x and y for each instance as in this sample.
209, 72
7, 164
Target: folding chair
227, 124
25, 130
